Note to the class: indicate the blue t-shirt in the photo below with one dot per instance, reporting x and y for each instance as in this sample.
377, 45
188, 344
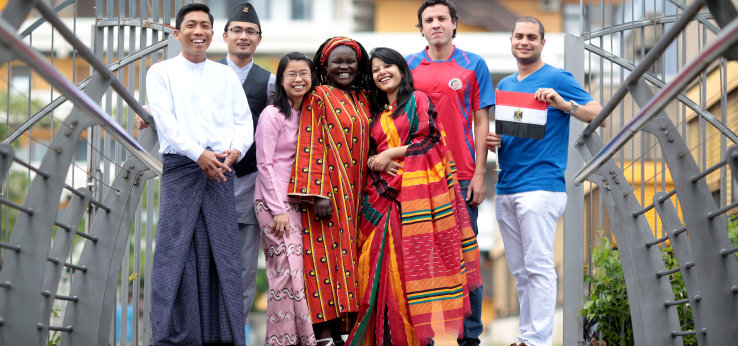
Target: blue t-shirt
530, 164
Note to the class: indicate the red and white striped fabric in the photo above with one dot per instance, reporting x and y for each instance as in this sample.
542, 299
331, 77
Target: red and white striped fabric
520, 114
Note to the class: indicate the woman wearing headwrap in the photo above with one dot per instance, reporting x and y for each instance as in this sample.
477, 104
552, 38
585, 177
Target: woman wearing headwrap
330, 172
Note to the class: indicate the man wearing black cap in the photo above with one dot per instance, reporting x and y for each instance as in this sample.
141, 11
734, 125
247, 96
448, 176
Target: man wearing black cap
242, 33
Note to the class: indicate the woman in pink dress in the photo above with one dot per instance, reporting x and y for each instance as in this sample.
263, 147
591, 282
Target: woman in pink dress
280, 221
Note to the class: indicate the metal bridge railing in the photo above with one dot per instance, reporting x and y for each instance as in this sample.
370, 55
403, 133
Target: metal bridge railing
665, 174
75, 200
77, 213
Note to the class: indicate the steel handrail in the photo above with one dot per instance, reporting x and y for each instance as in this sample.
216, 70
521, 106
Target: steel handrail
82, 85
653, 54
88, 55
702, 18
165, 28
724, 41
42, 20
707, 116
37, 62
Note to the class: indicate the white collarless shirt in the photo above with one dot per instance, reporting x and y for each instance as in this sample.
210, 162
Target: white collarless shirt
197, 106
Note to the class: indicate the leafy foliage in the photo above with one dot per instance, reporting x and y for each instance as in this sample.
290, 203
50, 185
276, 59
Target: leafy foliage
680, 292
733, 232
607, 305
608, 301
19, 104
55, 336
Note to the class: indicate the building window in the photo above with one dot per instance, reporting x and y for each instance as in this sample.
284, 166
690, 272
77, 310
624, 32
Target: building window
20, 82
219, 9
222, 9
571, 19
262, 9
301, 9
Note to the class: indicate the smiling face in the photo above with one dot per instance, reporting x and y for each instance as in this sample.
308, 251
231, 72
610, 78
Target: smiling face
242, 46
195, 35
387, 77
438, 26
527, 44
296, 81
342, 67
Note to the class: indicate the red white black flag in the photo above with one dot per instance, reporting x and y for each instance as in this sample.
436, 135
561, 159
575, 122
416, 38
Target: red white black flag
520, 115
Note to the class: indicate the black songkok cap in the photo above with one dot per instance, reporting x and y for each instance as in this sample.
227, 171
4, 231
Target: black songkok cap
244, 12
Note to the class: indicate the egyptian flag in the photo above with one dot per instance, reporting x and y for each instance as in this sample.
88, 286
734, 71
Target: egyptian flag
520, 115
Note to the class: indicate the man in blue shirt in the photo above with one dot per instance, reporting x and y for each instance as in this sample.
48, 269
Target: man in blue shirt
531, 192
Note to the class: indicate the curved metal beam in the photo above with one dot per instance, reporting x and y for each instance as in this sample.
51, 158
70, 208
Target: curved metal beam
724, 41
88, 55
681, 97
82, 85
655, 53
702, 18
42, 20
36, 61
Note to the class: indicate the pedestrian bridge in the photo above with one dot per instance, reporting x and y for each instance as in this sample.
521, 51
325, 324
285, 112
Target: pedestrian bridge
80, 188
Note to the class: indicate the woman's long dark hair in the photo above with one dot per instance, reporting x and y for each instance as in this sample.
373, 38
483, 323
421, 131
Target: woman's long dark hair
377, 97
281, 100
362, 82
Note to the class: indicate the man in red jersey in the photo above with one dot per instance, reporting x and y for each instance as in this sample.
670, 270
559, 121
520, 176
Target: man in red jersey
460, 86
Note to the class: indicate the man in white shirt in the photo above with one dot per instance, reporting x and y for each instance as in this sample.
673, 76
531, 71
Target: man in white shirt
204, 126
242, 33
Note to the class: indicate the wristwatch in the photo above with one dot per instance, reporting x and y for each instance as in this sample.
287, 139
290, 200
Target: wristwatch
574, 107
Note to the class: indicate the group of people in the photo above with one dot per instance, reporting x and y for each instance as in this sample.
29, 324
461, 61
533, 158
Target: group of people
360, 175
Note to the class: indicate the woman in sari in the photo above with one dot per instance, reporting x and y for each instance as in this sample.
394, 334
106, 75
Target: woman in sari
330, 172
288, 319
418, 256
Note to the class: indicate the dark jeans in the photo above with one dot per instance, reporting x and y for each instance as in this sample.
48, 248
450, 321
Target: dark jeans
472, 324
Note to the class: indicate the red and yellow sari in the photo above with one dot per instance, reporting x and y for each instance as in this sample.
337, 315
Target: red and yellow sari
332, 150
418, 256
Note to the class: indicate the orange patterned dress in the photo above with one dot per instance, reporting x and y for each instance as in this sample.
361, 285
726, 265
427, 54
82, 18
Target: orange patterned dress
332, 149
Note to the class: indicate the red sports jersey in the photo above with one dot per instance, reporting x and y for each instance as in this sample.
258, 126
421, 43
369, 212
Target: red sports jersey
458, 87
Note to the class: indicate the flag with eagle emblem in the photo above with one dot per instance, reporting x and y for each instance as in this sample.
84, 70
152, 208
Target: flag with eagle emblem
520, 114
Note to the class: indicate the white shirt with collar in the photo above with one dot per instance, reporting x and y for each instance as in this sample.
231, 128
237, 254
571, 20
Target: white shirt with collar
196, 106
244, 186
243, 72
